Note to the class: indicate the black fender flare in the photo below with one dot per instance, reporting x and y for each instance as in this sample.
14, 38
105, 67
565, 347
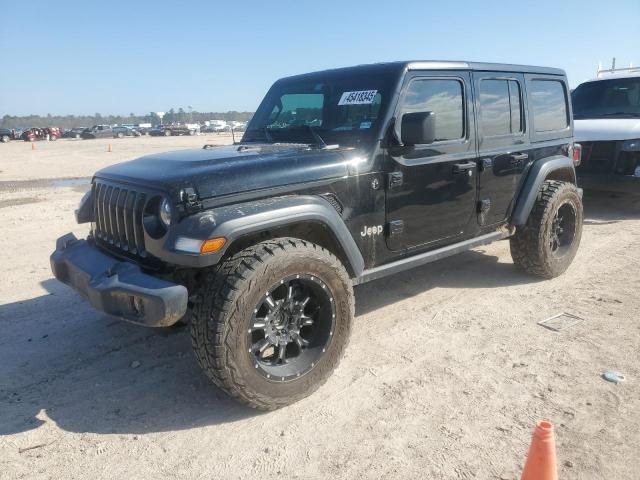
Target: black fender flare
538, 173
239, 220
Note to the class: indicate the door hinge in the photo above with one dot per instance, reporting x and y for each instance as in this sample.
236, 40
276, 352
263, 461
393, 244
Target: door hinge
395, 179
486, 164
483, 209
484, 205
396, 227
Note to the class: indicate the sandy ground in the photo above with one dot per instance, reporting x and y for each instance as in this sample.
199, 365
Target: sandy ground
445, 377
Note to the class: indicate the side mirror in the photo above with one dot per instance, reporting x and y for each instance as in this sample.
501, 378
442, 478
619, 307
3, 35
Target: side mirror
418, 128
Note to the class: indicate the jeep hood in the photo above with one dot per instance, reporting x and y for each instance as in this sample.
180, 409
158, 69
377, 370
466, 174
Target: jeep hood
603, 129
231, 169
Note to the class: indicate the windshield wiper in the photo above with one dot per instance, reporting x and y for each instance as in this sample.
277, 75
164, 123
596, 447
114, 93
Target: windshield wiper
321, 143
267, 134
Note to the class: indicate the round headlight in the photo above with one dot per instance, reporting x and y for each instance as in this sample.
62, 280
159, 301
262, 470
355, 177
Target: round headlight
165, 212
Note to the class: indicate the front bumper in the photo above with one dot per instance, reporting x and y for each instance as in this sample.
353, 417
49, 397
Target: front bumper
609, 182
117, 288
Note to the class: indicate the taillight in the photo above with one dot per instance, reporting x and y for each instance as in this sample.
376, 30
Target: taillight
576, 154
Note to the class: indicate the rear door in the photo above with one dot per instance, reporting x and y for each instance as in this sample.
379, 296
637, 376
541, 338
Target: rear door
431, 191
503, 142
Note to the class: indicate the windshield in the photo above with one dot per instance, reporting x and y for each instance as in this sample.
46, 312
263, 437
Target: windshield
614, 98
342, 107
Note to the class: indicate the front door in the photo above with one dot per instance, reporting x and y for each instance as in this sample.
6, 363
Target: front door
503, 142
431, 190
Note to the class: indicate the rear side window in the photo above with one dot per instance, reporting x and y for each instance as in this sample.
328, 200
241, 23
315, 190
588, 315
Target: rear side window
444, 98
500, 107
549, 105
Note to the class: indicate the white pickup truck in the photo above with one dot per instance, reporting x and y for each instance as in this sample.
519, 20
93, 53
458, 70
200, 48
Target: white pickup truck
606, 112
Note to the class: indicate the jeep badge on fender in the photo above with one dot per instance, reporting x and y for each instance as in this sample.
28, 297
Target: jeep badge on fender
369, 231
258, 245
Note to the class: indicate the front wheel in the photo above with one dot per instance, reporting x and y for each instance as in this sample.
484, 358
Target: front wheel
4, 138
546, 245
270, 324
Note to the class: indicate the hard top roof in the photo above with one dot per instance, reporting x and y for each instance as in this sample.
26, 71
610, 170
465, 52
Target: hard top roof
445, 65
481, 66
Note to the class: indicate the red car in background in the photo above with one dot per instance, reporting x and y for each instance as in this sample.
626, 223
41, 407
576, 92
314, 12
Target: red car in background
34, 134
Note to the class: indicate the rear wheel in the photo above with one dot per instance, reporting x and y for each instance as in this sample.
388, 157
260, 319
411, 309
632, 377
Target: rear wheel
4, 138
271, 323
167, 133
546, 245
120, 135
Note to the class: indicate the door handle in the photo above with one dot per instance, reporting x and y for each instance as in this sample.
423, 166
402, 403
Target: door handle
463, 167
520, 157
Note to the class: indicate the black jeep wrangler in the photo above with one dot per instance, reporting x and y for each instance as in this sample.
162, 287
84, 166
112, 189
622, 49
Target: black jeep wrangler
341, 177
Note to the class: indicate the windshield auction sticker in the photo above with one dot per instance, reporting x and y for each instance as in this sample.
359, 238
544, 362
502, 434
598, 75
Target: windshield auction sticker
361, 97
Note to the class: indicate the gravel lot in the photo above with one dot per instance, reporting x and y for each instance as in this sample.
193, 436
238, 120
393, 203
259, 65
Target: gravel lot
445, 377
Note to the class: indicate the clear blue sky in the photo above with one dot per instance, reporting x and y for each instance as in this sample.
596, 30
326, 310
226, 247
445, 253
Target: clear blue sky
116, 57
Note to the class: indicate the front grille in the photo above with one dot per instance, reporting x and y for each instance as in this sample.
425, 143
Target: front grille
599, 156
118, 215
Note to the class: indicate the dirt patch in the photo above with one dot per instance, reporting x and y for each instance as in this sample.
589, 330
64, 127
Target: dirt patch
19, 201
12, 186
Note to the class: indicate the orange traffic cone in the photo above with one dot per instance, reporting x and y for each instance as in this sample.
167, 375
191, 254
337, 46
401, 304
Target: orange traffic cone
33, 146
109, 149
541, 459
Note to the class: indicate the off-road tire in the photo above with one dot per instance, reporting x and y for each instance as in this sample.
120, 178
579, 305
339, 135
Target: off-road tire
224, 304
4, 138
530, 246
120, 135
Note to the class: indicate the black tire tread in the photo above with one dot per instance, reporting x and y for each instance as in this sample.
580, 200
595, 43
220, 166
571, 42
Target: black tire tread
529, 239
217, 302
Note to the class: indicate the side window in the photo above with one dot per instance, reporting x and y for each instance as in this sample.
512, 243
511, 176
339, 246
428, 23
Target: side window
549, 104
442, 97
500, 107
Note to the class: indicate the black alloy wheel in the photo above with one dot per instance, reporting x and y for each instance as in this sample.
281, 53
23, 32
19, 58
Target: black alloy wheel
291, 327
563, 229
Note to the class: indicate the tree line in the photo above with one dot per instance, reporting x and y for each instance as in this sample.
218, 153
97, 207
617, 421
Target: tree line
72, 121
